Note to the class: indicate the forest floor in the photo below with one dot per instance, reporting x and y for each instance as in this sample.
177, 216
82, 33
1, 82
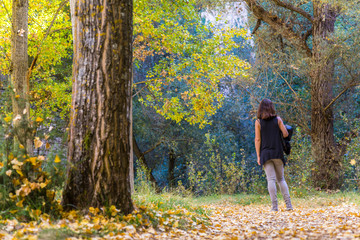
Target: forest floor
335, 216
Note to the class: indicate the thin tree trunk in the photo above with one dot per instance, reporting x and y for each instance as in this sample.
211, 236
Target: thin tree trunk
131, 166
327, 161
100, 124
171, 176
141, 156
19, 69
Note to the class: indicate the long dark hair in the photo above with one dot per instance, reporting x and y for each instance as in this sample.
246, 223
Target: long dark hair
266, 109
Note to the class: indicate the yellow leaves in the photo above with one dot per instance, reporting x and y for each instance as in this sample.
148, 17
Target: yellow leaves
196, 62
113, 210
13, 211
20, 172
32, 160
44, 184
57, 159
8, 119
176, 224
35, 213
50, 194
37, 142
23, 191
128, 217
353, 162
39, 119
94, 211
20, 203
16, 182
15, 162
226, 221
72, 215
34, 186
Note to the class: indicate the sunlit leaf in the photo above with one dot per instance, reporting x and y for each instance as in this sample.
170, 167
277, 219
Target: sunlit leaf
37, 142
39, 119
57, 159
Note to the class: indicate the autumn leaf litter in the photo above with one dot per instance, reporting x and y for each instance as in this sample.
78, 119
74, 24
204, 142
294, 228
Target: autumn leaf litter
223, 221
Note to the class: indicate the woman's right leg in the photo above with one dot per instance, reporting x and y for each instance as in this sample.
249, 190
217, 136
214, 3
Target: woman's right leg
279, 170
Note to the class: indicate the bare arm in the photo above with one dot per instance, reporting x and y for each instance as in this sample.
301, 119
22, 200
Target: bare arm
257, 140
282, 127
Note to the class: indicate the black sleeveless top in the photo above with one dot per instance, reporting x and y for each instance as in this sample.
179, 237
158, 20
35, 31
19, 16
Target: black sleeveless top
271, 146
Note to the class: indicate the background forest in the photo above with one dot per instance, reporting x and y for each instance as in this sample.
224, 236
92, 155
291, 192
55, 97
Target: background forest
200, 69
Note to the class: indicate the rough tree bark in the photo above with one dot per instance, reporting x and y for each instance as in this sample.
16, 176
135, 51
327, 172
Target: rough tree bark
19, 69
100, 125
327, 160
325, 150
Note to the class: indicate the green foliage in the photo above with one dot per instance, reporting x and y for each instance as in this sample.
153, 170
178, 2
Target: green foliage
51, 100
141, 183
29, 184
49, 51
216, 174
190, 60
299, 162
352, 164
50, 48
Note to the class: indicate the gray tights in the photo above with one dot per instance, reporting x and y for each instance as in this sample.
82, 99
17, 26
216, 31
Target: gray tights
274, 170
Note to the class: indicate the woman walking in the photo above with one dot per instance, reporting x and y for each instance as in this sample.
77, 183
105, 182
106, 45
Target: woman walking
269, 151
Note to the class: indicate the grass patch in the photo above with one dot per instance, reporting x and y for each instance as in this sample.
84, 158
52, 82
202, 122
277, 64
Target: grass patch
320, 199
56, 234
170, 209
242, 199
169, 201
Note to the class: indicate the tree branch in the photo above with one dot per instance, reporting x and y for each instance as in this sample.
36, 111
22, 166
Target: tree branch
246, 90
287, 83
293, 8
307, 34
345, 141
8, 15
341, 93
353, 83
279, 25
258, 23
32, 66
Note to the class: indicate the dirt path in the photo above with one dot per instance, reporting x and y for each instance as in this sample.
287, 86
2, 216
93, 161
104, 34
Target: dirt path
230, 221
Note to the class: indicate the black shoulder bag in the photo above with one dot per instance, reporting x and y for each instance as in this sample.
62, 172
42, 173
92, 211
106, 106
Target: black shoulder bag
286, 141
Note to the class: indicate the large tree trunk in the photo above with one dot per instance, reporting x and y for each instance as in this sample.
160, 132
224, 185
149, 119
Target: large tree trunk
100, 128
324, 149
327, 161
19, 68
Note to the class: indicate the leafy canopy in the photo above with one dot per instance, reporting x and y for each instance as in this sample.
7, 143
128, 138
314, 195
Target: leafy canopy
190, 58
